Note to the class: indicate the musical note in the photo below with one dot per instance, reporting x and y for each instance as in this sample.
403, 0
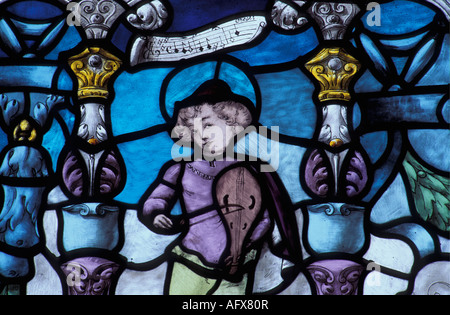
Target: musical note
217, 37
236, 31
199, 46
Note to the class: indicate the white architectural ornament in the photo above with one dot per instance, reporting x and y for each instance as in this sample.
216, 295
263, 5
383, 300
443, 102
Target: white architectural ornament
287, 16
149, 16
333, 18
443, 5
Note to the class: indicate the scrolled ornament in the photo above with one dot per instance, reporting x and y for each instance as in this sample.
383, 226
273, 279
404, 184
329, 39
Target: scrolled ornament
287, 17
149, 16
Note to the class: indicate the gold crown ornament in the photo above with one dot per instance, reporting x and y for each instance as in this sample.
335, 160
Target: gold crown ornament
93, 69
334, 68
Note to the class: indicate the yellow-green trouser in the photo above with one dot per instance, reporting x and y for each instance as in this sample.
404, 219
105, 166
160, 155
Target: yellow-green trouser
185, 281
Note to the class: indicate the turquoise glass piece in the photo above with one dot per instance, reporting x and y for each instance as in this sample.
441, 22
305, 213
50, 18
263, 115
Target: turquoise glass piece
90, 220
335, 228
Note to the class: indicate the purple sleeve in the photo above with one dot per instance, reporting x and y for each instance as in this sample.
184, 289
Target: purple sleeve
163, 195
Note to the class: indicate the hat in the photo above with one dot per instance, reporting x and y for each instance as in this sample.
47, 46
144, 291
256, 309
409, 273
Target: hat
211, 82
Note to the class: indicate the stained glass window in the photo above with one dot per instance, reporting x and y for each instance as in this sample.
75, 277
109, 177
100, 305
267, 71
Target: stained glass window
197, 147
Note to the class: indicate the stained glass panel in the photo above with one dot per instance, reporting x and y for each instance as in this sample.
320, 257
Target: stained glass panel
195, 147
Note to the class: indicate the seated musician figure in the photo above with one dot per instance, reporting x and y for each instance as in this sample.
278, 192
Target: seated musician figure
228, 205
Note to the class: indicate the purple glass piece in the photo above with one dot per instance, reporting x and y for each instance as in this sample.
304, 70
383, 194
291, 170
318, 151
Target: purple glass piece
356, 177
336, 277
110, 177
316, 174
89, 275
73, 175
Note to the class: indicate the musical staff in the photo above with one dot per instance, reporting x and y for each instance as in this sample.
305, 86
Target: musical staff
218, 37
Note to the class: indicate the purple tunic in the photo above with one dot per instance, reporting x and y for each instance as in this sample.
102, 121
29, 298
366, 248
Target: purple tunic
207, 234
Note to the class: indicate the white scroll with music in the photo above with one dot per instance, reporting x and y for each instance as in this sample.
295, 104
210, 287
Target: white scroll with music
217, 37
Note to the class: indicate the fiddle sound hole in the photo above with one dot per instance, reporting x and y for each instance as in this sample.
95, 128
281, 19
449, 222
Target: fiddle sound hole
253, 202
225, 202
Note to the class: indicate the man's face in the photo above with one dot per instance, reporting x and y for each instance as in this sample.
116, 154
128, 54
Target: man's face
209, 132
